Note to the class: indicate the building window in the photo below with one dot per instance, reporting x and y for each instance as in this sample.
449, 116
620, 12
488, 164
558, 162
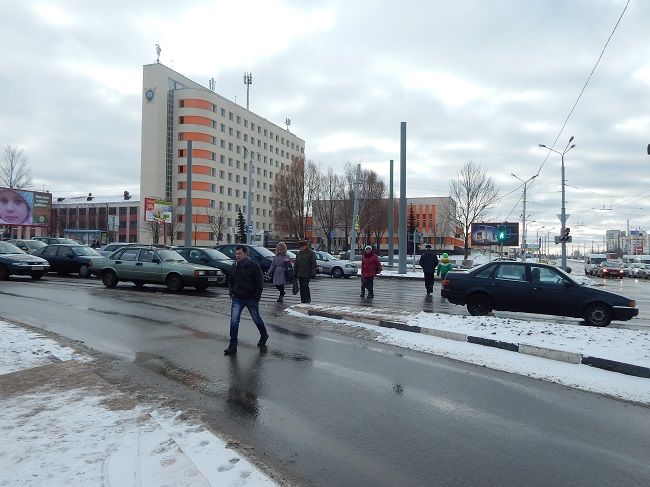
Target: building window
133, 210
133, 225
123, 210
111, 211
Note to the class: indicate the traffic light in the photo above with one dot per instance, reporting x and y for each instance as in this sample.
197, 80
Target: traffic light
501, 235
567, 230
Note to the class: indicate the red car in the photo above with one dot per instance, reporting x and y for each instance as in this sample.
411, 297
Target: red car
610, 268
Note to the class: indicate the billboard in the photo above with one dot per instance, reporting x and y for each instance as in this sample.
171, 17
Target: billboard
24, 208
157, 210
484, 234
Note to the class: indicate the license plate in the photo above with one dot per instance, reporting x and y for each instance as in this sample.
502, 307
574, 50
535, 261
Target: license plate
37, 268
212, 279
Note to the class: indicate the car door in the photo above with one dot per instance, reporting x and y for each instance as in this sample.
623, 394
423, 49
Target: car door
510, 288
552, 293
124, 263
148, 267
65, 259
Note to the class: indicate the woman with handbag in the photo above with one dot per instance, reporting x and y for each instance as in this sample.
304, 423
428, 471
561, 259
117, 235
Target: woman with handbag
281, 269
370, 267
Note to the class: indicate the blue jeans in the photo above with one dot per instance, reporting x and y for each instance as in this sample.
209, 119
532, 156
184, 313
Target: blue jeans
236, 308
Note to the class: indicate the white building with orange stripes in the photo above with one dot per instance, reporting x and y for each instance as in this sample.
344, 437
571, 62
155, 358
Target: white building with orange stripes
225, 138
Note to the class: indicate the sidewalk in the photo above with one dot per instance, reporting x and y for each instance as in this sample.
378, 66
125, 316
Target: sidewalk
64, 425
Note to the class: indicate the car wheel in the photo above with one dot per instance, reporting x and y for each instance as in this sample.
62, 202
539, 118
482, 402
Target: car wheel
84, 271
139, 283
222, 280
4, 272
337, 272
201, 287
109, 278
479, 305
37, 275
598, 314
174, 283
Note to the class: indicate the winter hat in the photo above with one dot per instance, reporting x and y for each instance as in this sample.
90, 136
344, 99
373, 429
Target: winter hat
368, 247
445, 256
27, 196
427, 246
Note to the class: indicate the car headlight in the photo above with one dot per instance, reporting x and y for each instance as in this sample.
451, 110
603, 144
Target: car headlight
198, 272
350, 266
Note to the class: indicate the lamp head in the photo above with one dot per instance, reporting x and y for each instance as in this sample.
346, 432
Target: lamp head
571, 139
542, 145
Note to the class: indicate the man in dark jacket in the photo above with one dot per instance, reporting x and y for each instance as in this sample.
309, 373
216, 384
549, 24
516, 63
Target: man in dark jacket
429, 262
245, 288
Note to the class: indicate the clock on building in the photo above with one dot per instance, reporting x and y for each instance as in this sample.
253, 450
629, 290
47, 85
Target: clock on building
149, 94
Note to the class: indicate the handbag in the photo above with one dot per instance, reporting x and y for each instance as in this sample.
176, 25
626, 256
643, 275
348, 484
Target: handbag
288, 273
295, 287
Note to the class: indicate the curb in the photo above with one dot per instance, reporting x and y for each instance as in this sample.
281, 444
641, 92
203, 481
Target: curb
527, 349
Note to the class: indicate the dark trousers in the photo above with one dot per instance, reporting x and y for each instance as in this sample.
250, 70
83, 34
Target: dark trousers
305, 294
236, 309
367, 283
280, 288
429, 278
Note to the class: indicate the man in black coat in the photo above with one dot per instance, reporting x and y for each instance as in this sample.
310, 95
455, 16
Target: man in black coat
245, 288
429, 262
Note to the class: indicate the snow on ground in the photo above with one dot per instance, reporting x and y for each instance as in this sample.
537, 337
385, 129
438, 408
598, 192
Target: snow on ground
628, 346
64, 425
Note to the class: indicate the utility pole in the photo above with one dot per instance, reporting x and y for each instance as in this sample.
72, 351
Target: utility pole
249, 201
355, 214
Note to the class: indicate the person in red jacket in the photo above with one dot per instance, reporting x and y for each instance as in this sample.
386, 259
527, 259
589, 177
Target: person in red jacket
370, 267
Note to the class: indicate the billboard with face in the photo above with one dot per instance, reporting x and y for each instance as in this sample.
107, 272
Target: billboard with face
22, 208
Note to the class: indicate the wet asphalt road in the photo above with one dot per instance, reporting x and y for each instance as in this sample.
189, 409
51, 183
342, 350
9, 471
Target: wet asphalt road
328, 407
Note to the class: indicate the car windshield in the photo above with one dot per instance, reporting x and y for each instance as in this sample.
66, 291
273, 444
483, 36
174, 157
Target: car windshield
167, 255
9, 248
68, 241
329, 256
215, 254
612, 264
264, 252
84, 250
35, 244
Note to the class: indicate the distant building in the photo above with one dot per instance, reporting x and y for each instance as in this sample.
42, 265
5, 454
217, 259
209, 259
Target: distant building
225, 138
102, 218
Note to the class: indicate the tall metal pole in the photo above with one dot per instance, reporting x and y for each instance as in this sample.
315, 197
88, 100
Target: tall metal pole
249, 202
524, 216
355, 212
248, 81
391, 217
188, 197
563, 215
403, 240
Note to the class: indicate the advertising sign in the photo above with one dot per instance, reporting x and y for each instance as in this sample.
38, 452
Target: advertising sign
157, 210
484, 234
24, 208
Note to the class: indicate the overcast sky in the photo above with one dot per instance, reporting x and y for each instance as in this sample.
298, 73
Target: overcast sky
479, 80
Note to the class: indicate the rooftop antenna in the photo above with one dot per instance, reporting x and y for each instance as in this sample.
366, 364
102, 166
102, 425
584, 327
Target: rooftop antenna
248, 81
158, 53
287, 122
212, 84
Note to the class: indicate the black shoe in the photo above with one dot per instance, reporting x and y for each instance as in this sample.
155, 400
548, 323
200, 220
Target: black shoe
231, 350
262, 341
429, 292
280, 299
362, 295
370, 296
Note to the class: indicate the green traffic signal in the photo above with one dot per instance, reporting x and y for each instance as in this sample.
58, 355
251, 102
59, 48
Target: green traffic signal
501, 236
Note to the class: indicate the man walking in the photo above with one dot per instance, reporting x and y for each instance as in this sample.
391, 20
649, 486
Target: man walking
429, 262
306, 269
245, 288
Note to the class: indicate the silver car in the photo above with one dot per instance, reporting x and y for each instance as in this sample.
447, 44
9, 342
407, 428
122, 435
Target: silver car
334, 266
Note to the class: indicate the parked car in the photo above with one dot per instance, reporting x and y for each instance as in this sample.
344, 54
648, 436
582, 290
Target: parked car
209, 257
610, 268
66, 259
644, 272
28, 246
14, 261
57, 240
145, 264
261, 255
333, 266
530, 287
633, 269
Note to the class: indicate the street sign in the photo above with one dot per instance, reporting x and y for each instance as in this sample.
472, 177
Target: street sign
332, 234
250, 228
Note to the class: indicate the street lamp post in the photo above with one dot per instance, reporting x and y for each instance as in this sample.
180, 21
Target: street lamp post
523, 241
539, 243
563, 213
249, 199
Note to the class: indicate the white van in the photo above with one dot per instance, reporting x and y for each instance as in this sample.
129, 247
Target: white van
591, 263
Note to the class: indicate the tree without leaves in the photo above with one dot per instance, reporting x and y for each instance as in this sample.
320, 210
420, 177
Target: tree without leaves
217, 218
327, 204
293, 193
241, 227
14, 172
474, 195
